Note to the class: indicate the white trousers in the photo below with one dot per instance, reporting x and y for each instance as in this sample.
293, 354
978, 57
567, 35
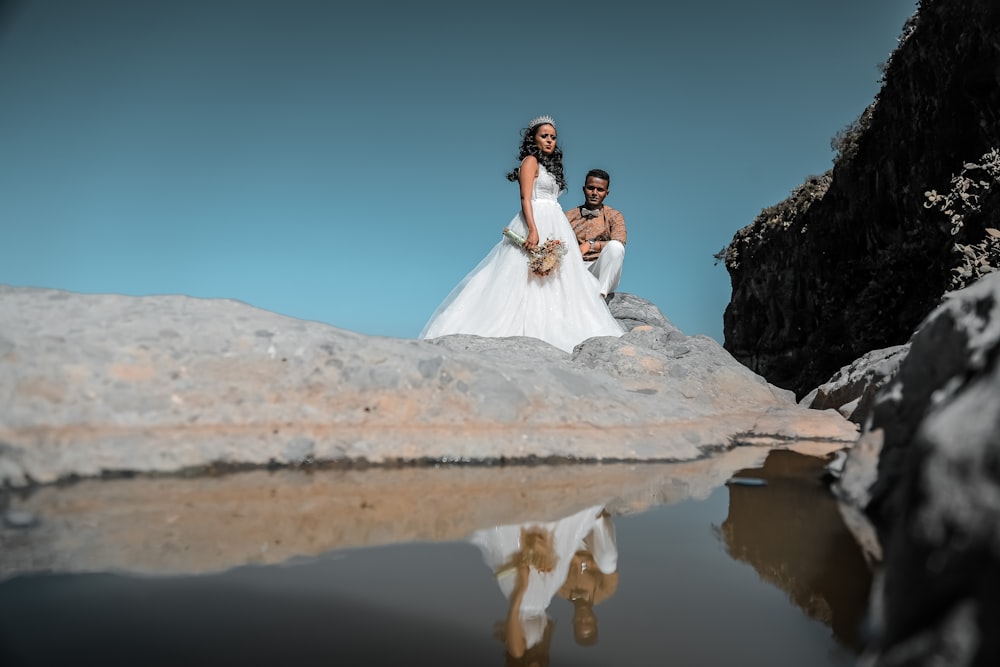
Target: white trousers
608, 266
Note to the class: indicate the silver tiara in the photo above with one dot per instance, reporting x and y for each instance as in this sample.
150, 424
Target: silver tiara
541, 120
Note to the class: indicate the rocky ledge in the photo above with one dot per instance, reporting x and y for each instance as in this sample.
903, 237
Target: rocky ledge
921, 487
92, 384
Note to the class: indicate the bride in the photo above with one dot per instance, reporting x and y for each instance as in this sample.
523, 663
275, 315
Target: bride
502, 296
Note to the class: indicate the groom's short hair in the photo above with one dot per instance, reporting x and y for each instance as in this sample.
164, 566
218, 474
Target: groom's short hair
598, 173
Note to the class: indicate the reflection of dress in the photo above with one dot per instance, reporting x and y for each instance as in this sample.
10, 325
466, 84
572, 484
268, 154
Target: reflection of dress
500, 296
499, 544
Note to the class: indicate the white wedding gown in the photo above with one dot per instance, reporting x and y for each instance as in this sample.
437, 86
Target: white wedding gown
501, 297
586, 529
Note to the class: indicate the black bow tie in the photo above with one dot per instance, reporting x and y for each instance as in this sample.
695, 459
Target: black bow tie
587, 213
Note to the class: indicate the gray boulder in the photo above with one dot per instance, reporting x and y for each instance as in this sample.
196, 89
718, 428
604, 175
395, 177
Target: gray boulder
632, 311
926, 474
99, 383
852, 389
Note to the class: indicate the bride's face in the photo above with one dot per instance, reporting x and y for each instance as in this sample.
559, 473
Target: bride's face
545, 138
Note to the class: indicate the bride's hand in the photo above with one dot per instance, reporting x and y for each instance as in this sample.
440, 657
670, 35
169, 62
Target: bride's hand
531, 242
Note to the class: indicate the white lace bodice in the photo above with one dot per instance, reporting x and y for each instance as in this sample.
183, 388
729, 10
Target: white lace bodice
545, 186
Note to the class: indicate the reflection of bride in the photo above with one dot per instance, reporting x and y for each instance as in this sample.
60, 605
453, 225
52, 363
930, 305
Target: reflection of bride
532, 562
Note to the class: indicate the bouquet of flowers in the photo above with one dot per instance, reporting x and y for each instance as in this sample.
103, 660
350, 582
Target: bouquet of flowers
544, 258
537, 551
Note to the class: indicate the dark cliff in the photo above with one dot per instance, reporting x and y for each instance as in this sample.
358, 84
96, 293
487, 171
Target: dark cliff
856, 257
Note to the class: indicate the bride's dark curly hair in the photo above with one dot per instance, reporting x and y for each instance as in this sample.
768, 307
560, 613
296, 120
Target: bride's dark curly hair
553, 163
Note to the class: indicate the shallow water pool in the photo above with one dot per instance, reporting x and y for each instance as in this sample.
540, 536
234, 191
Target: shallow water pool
756, 574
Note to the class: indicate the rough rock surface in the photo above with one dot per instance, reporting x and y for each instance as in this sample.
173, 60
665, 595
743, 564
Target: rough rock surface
852, 389
926, 473
856, 258
91, 384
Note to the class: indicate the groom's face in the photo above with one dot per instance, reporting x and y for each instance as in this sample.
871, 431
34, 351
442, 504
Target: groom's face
595, 190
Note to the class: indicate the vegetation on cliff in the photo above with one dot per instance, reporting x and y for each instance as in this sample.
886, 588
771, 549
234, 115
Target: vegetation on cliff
970, 192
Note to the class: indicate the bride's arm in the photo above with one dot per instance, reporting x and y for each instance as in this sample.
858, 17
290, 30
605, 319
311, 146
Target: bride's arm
526, 179
515, 641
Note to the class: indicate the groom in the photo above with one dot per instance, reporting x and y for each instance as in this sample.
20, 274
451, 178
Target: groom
600, 231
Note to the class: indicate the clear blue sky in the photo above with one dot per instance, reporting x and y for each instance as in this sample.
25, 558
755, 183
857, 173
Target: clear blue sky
344, 162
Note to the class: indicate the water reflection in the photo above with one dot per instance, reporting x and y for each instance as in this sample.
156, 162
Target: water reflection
792, 534
575, 557
449, 566
202, 524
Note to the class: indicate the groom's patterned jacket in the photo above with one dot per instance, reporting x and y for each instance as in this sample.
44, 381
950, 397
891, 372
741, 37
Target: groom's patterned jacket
608, 225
